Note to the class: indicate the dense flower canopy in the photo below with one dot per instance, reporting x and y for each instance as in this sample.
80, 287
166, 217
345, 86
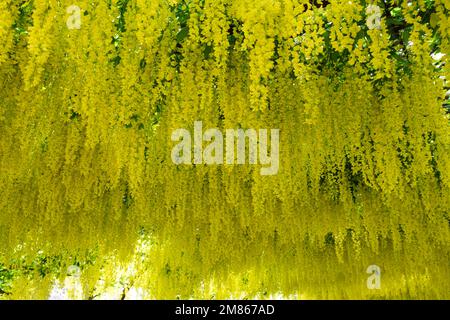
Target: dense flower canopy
92, 90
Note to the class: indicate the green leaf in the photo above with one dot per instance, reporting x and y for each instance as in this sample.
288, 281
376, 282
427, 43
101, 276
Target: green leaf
434, 20
182, 34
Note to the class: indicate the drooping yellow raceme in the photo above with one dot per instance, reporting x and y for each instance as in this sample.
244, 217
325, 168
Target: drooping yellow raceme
88, 107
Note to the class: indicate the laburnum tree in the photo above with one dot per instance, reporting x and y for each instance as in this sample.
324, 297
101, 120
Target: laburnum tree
91, 91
